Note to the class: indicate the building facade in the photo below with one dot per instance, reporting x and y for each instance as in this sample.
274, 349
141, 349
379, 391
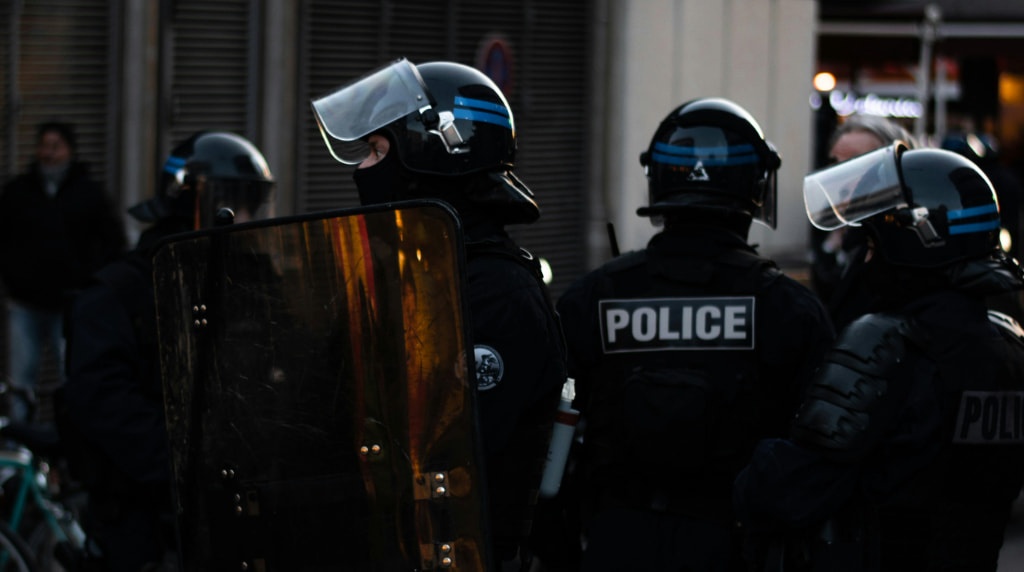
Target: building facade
588, 80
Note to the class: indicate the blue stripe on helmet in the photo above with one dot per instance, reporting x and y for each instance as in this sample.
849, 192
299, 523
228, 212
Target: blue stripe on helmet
743, 149
480, 104
973, 211
975, 227
174, 164
706, 161
483, 116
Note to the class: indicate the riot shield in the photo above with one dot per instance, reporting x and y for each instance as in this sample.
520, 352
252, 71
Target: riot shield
318, 394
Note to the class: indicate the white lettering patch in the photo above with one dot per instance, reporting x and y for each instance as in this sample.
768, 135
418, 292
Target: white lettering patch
658, 324
990, 417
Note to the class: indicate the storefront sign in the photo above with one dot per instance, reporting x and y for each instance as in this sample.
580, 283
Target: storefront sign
848, 103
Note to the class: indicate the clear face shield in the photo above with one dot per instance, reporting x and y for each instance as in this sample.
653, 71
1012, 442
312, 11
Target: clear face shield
352, 112
851, 191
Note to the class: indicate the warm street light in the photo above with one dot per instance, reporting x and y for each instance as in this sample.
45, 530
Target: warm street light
824, 81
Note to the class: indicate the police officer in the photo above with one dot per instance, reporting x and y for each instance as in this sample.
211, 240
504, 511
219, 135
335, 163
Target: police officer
908, 450
110, 411
687, 352
443, 130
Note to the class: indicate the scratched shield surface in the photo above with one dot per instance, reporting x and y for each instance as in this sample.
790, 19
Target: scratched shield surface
316, 387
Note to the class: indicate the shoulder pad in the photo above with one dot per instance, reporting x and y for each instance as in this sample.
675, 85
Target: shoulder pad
870, 333
626, 261
857, 390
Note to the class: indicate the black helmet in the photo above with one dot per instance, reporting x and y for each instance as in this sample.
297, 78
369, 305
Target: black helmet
925, 208
445, 120
711, 154
208, 171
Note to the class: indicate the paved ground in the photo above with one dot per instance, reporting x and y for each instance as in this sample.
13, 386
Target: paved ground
1011, 559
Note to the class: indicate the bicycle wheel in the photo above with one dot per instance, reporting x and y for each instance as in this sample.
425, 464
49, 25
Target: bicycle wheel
15, 555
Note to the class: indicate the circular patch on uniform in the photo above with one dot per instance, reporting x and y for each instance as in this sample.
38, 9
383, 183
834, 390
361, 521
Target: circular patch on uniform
489, 367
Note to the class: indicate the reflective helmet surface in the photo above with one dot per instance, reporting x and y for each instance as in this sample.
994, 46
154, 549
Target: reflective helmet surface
925, 208
443, 119
208, 171
711, 154
483, 129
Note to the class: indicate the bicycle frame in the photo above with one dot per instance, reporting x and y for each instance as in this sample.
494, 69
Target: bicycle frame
30, 488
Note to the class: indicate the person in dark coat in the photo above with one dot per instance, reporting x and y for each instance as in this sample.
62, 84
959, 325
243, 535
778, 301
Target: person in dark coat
908, 450
57, 227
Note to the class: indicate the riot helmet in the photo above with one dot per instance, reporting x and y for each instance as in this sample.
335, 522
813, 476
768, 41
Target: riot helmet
924, 208
207, 172
710, 154
449, 127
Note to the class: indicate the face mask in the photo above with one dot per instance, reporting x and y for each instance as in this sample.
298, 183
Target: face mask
382, 182
897, 286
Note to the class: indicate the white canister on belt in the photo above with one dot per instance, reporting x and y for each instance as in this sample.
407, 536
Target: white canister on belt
561, 441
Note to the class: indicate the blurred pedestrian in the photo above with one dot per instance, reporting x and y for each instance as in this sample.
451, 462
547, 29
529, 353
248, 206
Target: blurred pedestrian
57, 227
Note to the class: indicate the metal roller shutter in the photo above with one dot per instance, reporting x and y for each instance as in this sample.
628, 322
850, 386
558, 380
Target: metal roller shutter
56, 56
8, 69
213, 79
548, 40
551, 87
339, 42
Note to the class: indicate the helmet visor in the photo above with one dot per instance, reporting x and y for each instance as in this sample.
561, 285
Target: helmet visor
854, 190
355, 110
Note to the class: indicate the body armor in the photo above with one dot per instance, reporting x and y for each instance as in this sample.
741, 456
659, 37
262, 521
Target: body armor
858, 388
663, 427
